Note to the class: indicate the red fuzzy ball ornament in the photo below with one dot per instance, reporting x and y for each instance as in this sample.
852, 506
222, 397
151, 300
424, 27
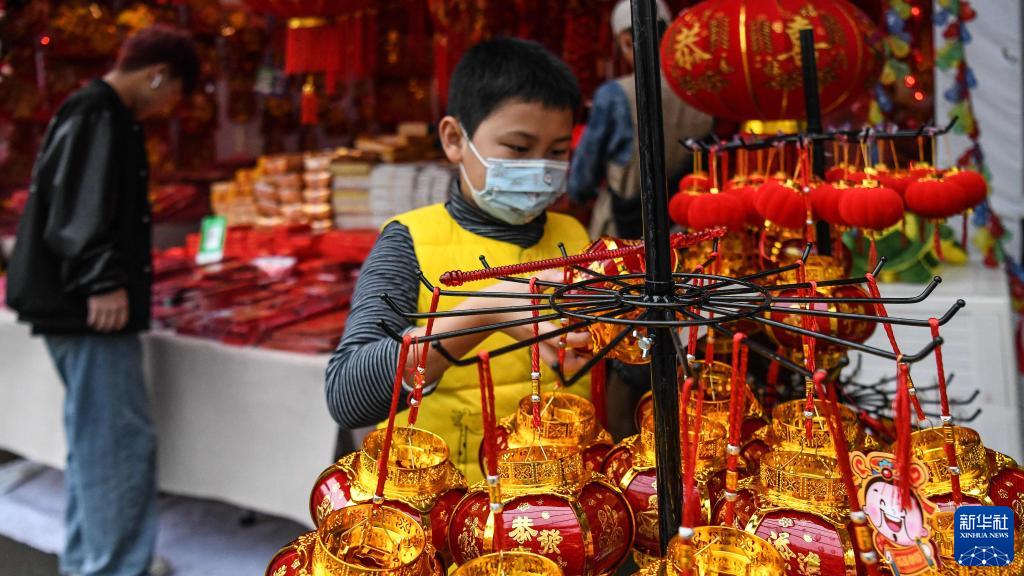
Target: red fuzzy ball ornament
716, 209
698, 181
933, 197
871, 207
825, 199
679, 206
973, 184
782, 204
747, 194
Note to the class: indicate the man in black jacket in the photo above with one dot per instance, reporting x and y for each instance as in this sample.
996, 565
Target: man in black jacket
81, 276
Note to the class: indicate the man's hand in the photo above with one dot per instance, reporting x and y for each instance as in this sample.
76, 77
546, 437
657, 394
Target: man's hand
108, 312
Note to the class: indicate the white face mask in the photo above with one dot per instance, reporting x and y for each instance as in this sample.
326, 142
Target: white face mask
517, 191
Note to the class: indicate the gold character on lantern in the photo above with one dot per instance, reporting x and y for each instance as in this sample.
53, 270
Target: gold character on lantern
549, 541
522, 529
687, 53
781, 543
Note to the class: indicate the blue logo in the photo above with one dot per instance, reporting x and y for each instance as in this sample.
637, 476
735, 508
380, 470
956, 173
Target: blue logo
983, 536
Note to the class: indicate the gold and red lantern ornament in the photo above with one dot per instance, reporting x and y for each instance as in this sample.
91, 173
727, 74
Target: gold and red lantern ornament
375, 537
740, 59
700, 550
421, 479
555, 419
541, 500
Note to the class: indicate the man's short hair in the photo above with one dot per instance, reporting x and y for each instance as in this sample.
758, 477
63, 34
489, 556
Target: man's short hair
498, 71
162, 44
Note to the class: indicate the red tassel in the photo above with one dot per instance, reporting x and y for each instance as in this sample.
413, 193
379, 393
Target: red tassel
937, 240
902, 421
310, 104
598, 394
963, 229
872, 254
417, 395
385, 448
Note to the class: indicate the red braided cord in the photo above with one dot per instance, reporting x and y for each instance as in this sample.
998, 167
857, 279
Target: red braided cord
535, 358
460, 277
684, 447
736, 403
831, 403
937, 240
417, 393
947, 424
881, 313
487, 413
902, 448
598, 391
396, 392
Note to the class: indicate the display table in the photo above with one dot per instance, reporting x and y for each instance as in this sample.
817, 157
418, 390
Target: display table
242, 425
979, 350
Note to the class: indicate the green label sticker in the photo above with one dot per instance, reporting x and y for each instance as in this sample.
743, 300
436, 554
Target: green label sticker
211, 240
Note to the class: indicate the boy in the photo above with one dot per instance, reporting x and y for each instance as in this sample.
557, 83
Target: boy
511, 106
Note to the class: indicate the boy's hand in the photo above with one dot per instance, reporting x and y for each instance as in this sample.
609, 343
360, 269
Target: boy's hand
108, 312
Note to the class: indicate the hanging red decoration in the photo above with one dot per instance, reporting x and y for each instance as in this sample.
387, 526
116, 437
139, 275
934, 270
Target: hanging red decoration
825, 199
740, 59
973, 184
871, 207
698, 181
933, 197
309, 104
747, 194
897, 180
781, 203
716, 209
679, 206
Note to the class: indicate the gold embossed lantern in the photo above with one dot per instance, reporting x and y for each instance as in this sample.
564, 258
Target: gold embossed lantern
371, 539
421, 481
717, 385
295, 559
928, 448
514, 563
798, 504
566, 421
550, 505
631, 466
718, 551
362, 539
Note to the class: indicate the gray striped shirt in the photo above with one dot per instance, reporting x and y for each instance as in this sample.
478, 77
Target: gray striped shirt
361, 371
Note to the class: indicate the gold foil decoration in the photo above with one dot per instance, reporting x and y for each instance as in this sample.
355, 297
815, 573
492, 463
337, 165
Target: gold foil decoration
364, 540
509, 564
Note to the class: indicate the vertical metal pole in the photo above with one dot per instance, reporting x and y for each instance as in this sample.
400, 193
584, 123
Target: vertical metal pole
812, 105
659, 285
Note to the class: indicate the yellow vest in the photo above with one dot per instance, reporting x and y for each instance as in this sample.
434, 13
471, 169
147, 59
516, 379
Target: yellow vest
453, 410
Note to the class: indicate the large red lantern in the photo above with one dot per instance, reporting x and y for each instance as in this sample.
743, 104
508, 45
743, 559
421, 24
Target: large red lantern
740, 59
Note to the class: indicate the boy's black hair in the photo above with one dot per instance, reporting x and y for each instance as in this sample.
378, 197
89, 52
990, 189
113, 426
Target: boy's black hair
503, 69
162, 44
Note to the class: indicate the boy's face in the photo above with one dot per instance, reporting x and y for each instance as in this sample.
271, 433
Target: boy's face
515, 129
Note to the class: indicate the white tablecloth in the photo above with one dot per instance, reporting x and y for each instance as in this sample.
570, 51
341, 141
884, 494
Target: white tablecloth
241, 425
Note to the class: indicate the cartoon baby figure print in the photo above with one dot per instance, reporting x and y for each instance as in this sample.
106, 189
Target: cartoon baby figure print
902, 537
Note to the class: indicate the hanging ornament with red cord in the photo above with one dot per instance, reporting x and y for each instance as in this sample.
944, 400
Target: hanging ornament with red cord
715, 209
690, 187
872, 208
936, 198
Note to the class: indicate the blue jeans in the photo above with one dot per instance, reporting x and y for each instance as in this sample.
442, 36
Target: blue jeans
110, 480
